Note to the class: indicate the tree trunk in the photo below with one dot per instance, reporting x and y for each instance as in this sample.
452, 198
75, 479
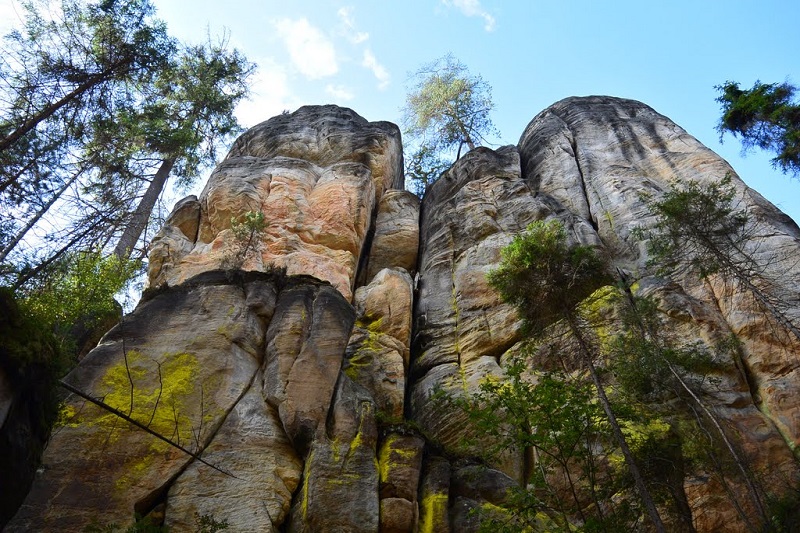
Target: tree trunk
633, 468
27, 276
650, 335
39, 214
134, 229
51, 109
34, 219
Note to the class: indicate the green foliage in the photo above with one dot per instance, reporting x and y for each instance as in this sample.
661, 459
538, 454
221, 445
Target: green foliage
32, 357
40, 328
424, 167
544, 277
246, 229
446, 108
102, 107
643, 357
698, 226
248, 225
208, 524
764, 116
80, 289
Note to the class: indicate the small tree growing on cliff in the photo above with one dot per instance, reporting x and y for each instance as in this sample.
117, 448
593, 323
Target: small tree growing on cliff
446, 108
698, 227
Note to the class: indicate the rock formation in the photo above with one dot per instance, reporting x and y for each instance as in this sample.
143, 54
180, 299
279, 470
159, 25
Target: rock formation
299, 360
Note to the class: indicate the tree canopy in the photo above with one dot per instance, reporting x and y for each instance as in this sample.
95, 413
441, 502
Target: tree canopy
99, 107
446, 108
765, 116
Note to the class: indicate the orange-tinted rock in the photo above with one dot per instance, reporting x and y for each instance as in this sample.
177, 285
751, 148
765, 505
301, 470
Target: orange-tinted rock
396, 240
316, 175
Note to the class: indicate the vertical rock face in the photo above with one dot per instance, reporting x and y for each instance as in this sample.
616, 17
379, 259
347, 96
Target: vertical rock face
237, 353
587, 162
300, 362
316, 176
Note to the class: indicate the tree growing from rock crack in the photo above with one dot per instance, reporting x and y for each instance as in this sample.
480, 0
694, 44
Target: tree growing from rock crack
699, 227
446, 109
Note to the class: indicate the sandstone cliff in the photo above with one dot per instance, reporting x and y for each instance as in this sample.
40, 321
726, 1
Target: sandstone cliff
302, 358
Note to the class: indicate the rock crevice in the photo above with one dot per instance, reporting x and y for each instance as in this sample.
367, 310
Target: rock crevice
309, 359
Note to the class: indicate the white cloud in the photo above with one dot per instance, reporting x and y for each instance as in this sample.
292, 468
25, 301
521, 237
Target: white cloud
378, 70
340, 92
10, 13
270, 94
472, 8
311, 52
349, 26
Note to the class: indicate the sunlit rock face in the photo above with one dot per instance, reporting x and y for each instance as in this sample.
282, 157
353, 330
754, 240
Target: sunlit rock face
301, 363
317, 175
598, 156
236, 353
589, 162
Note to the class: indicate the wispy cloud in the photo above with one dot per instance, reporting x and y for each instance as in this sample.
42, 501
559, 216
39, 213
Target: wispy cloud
340, 92
378, 70
473, 8
311, 52
270, 94
349, 26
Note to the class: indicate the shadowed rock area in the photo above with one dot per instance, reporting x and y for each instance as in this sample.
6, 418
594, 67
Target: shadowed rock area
304, 361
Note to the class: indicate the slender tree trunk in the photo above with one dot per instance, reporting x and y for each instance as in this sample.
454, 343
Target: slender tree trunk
24, 278
9, 180
38, 216
633, 468
130, 236
651, 335
51, 109
647, 333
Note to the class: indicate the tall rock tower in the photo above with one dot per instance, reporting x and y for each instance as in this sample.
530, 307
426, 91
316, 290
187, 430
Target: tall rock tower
284, 369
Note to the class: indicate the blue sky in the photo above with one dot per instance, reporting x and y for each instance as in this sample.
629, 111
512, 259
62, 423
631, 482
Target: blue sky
667, 54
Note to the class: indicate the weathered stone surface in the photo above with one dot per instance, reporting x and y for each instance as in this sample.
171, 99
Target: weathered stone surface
398, 515
264, 473
400, 463
327, 134
284, 383
305, 344
340, 479
315, 222
480, 483
461, 325
378, 352
178, 364
396, 240
597, 156
316, 175
434, 496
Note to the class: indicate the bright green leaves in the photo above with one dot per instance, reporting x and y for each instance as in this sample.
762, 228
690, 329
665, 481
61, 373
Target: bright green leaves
446, 108
544, 277
423, 168
246, 230
83, 291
